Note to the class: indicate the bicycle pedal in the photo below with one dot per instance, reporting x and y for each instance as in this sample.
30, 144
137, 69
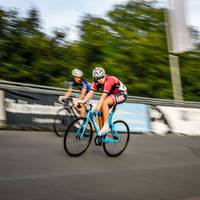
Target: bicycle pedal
115, 137
78, 137
87, 135
98, 140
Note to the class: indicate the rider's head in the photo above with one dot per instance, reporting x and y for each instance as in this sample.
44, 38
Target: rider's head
99, 75
77, 75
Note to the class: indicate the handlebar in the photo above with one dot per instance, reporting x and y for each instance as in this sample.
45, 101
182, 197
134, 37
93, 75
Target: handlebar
89, 106
65, 102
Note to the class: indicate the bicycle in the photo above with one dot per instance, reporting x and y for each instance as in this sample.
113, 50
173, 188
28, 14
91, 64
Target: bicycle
79, 133
64, 117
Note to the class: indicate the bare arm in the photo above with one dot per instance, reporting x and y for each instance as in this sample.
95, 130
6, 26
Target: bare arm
83, 93
89, 95
68, 93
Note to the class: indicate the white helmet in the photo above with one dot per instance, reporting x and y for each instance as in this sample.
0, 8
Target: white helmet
98, 72
77, 73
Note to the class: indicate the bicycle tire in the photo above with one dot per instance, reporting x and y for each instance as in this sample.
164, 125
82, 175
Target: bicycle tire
73, 144
61, 122
112, 149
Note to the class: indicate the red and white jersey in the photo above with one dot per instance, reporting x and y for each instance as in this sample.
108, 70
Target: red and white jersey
112, 85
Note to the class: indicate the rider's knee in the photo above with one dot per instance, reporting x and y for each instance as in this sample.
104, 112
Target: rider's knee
105, 105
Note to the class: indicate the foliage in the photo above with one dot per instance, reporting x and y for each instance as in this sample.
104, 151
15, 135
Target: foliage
130, 43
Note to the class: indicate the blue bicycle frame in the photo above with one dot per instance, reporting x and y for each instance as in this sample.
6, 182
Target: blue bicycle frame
91, 118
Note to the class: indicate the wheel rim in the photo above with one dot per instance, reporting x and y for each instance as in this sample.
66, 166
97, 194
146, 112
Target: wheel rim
116, 148
62, 121
75, 143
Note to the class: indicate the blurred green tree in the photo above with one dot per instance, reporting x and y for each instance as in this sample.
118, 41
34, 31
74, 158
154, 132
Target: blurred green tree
129, 42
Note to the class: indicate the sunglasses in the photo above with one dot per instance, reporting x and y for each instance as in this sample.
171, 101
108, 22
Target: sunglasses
76, 77
99, 78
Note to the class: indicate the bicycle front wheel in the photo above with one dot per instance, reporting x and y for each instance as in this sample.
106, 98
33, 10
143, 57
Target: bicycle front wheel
62, 121
119, 139
78, 137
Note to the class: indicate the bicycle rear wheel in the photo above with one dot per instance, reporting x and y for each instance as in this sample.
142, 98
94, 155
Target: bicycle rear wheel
113, 149
62, 121
78, 137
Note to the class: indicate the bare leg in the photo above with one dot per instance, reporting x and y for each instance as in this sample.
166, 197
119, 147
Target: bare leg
100, 121
83, 111
105, 108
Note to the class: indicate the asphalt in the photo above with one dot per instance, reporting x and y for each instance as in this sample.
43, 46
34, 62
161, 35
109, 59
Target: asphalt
33, 165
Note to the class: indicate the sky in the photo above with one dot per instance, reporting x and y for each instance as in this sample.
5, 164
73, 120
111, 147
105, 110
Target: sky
68, 13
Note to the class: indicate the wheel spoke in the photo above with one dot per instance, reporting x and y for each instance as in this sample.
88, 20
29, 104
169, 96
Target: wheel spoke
120, 136
75, 141
62, 121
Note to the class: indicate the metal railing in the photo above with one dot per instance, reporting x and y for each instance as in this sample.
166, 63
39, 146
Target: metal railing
8, 85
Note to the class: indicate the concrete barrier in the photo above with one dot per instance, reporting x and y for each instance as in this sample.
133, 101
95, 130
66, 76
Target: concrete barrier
2, 110
33, 106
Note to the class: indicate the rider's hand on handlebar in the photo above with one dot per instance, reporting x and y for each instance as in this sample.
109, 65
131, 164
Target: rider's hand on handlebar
61, 99
78, 104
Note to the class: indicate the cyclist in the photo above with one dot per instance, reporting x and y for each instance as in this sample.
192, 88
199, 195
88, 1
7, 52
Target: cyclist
114, 92
80, 83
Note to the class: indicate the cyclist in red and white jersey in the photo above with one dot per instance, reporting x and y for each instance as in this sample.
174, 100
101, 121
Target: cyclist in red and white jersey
114, 92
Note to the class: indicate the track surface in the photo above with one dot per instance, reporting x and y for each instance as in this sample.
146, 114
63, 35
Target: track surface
33, 165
